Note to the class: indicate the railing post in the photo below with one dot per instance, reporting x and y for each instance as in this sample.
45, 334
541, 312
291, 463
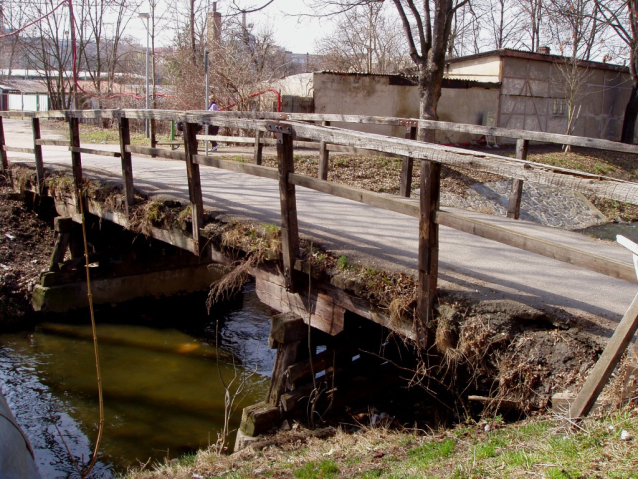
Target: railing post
428, 248
37, 150
3, 154
289, 225
127, 163
194, 184
406, 166
514, 206
259, 147
76, 157
324, 156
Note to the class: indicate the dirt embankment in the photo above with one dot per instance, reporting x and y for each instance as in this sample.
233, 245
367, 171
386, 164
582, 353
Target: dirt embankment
26, 241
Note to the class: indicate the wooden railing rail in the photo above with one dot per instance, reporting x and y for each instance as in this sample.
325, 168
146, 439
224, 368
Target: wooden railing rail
523, 137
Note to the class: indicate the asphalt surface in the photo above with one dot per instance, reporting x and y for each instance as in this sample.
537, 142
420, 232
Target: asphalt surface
379, 238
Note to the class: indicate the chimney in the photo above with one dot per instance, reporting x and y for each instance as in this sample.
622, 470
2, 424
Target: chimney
544, 50
214, 30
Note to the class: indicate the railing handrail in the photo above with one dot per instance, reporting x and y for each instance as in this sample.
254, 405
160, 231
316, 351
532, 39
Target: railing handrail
210, 117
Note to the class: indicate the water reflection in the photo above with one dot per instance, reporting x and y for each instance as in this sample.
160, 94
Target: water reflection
162, 389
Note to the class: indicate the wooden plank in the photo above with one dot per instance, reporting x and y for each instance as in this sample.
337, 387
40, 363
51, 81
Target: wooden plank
247, 119
259, 418
37, 150
157, 152
127, 163
287, 197
53, 142
194, 184
324, 314
299, 370
230, 165
324, 157
606, 363
428, 249
173, 237
259, 147
514, 205
550, 249
406, 167
15, 149
512, 168
76, 157
287, 354
62, 227
4, 161
92, 151
555, 138
340, 297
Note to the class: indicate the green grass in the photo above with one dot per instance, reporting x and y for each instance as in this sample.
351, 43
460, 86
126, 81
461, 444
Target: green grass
430, 452
318, 470
111, 136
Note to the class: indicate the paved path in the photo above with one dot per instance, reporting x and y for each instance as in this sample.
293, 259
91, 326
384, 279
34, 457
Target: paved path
381, 238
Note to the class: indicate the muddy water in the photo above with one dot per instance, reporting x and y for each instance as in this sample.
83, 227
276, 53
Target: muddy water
610, 230
162, 390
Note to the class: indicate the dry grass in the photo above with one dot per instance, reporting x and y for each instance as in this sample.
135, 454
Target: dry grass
540, 446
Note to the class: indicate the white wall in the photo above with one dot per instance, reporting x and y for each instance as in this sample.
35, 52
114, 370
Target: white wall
29, 102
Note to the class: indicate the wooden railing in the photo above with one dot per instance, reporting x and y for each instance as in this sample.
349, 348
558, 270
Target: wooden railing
430, 156
522, 137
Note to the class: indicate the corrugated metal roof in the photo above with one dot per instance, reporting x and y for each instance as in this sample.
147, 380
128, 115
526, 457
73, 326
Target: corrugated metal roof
402, 79
24, 85
547, 57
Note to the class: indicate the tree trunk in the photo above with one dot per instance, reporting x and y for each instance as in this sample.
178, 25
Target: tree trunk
631, 113
430, 80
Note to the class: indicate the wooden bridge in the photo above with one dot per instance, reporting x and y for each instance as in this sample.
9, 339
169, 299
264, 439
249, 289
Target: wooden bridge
286, 289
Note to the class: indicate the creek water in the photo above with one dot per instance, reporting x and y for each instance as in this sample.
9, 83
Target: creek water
609, 231
163, 394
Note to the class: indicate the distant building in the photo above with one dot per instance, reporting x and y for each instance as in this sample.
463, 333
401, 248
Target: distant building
505, 88
534, 93
23, 95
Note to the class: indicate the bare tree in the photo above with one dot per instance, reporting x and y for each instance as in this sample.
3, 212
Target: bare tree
100, 51
48, 49
576, 27
622, 16
532, 15
427, 29
501, 21
365, 40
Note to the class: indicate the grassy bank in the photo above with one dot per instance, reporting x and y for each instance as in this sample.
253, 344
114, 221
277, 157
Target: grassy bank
543, 446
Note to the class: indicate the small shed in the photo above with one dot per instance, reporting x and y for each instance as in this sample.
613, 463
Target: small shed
23, 95
535, 91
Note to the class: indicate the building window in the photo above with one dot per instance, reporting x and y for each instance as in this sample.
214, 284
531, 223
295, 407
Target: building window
560, 107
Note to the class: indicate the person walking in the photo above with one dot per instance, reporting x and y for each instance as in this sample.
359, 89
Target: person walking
213, 129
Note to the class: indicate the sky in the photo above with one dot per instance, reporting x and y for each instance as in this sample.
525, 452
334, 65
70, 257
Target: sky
293, 31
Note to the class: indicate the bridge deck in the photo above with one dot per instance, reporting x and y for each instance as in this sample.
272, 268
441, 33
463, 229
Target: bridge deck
381, 238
